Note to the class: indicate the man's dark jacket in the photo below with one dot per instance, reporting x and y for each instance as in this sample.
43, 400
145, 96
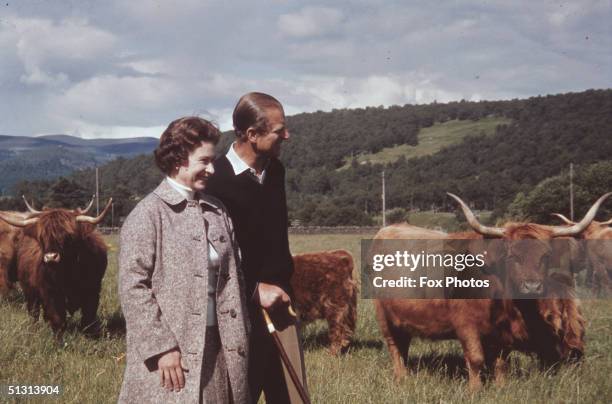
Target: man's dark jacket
259, 214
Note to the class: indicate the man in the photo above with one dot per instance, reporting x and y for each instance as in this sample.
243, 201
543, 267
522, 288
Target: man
250, 181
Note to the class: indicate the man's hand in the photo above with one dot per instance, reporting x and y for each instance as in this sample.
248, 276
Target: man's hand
271, 296
171, 370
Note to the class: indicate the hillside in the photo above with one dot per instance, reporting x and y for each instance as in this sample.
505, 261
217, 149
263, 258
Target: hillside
51, 156
486, 152
431, 140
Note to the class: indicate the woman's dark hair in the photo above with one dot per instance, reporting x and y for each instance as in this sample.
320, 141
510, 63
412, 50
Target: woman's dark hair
181, 138
250, 112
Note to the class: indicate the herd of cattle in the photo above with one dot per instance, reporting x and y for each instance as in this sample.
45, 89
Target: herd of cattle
59, 259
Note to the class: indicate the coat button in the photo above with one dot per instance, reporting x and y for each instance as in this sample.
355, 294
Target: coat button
197, 237
222, 239
241, 351
226, 276
233, 313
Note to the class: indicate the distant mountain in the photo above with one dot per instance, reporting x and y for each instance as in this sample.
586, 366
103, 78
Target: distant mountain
50, 156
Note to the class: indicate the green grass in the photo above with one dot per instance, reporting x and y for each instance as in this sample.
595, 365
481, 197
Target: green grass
432, 140
89, 373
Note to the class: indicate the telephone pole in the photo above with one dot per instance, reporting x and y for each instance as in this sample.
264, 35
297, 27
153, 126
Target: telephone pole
97, 195
384, 219
571, 192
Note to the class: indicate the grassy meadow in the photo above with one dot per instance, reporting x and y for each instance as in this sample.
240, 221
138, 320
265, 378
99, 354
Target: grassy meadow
432, 139
90, 371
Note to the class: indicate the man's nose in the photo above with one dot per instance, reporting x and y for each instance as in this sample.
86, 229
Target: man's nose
286, 135
210, 169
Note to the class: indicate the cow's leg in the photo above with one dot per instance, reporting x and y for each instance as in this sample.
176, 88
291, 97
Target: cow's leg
398, 348
340, 327
32, 301
474, 356
89, 310
55, 314
5, 282
600, 279
497, 361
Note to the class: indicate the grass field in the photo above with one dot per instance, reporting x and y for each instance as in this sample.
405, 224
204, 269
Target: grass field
89, 372
432, 140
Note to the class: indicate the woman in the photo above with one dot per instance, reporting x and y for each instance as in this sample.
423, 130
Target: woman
180, 285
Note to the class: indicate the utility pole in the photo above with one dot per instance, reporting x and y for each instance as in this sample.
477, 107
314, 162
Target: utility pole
97, 195
572, 192
384, 219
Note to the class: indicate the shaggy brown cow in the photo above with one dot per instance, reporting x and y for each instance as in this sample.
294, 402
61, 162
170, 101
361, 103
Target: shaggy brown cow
9, 238
598, 252
61, 261
489, 329
324, 289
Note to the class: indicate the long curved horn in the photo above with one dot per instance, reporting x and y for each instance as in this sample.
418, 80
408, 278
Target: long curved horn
84, 211
607, 222
584, 223
30, 208
472, 221
95, 220
565, 219
18, 222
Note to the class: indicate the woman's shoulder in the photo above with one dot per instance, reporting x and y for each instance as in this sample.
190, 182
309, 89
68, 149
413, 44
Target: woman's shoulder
147, 208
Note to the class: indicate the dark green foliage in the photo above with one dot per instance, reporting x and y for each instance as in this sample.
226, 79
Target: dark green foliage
552, 195
396, 215
545, 136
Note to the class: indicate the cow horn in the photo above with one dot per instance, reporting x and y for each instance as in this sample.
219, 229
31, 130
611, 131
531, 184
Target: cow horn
565, 219
18, 222
30, 208
472, 221
584, 223
95, 220
84, 211
607, 222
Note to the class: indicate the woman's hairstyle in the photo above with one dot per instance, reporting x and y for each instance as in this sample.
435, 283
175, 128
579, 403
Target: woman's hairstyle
250, 112
181, 138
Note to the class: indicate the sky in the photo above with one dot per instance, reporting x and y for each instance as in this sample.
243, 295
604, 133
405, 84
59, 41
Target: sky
115, 69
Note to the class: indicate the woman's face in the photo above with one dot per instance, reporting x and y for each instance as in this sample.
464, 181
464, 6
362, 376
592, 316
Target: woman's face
194, 173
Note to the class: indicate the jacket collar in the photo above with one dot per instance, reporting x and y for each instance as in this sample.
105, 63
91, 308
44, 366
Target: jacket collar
172, 197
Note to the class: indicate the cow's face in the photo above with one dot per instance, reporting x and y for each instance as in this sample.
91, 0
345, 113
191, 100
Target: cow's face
56, 230
527, 263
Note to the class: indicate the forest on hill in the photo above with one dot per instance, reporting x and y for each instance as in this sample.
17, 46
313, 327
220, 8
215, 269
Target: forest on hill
544, 135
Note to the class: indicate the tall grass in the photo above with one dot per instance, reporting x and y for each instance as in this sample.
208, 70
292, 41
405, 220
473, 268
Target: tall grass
89, 371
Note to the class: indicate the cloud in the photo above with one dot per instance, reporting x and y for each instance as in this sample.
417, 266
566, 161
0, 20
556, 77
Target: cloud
113, 67
310, 22
51, 52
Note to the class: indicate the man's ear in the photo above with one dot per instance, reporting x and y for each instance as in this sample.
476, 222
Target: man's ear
251, 134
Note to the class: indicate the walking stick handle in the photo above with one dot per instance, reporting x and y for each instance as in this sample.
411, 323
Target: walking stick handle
284, 358
269, 322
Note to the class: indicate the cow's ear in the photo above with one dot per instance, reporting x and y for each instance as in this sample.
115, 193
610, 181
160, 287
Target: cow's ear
85, 228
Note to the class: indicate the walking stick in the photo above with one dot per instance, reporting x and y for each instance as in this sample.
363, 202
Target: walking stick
284, 357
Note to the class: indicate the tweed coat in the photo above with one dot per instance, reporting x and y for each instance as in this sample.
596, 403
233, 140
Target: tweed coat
163, 291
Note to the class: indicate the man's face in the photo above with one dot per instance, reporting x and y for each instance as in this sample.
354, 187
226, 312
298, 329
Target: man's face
199, 167
269, 143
